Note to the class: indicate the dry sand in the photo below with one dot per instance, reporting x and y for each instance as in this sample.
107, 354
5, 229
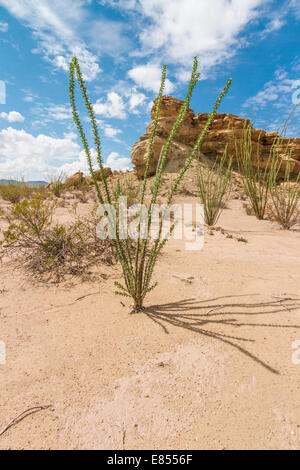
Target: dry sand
181, 375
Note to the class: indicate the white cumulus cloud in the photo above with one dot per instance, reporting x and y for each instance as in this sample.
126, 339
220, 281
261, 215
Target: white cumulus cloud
278, 91
136, 100
44, 157
23, 154
113, 107
115, 162
149, 77
175, 31
59, 112
57, 26
12, 116
111, 131
276, 103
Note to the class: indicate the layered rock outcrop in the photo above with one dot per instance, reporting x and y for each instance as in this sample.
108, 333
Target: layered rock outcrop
226, 129
74, 180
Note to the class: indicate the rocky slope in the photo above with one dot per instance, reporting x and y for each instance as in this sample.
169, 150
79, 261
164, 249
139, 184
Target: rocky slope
226, 129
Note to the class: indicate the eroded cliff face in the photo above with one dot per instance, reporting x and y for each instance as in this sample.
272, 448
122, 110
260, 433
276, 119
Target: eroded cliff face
226, 129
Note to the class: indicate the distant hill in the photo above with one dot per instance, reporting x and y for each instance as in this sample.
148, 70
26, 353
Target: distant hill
28, 183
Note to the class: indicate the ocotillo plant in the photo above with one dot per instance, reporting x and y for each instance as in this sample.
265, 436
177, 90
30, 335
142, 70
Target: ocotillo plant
138, 264
214, 184
258, 173
285, 198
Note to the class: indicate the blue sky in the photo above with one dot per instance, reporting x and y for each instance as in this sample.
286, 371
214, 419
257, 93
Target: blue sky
121, 46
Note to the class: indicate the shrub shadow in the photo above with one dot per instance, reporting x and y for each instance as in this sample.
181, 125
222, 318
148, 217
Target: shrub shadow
211, 313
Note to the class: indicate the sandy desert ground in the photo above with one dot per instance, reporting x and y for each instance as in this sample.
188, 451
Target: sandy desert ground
207, 365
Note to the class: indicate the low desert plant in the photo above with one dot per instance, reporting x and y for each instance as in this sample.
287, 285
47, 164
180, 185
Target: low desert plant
57, 188
285, 199
82, 195
214, 184
57, 184
129, 188
242, 239
48, 249
138, 267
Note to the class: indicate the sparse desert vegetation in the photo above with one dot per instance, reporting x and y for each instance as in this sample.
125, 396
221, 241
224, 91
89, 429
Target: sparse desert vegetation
196, 351
214, 187
52, 249
214, 334
15, 192
138, 269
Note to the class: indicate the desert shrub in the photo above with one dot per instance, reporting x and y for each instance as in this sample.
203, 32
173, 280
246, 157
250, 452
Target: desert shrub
56, 185
129, 188
138, 268
48, 249
214, 184
82, 195
258, 173
285, 198
57, 188
15, 192
81, 185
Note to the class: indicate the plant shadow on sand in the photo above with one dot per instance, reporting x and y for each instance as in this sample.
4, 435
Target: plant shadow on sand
210, 315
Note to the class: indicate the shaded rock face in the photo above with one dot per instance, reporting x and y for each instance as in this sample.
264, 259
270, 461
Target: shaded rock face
107, 172
226, 129
74, 179
78, 178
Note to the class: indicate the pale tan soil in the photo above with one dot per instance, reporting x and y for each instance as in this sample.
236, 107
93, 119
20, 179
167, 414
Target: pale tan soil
178, 375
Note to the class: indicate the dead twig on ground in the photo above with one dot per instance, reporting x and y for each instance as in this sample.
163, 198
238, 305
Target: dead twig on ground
123, 434
23, 415
87, 295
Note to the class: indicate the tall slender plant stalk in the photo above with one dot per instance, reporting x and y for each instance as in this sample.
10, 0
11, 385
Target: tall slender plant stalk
258, 173
285, 199
214, 184
138, 264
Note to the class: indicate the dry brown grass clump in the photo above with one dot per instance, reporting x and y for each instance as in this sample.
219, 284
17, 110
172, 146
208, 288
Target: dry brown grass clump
51, 250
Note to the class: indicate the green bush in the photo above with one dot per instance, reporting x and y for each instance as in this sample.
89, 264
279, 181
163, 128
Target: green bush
56, 185
18, 191
129, 188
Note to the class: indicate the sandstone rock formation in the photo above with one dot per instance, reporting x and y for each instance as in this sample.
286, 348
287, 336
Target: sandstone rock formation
226, 129
74, 179
107, 172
